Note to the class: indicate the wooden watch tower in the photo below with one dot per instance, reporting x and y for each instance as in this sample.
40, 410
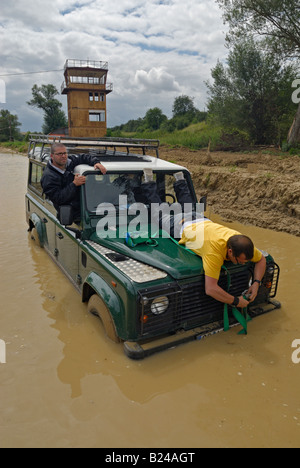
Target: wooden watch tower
86, 87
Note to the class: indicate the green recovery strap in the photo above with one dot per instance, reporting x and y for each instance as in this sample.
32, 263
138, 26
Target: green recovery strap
242, 317
138, 238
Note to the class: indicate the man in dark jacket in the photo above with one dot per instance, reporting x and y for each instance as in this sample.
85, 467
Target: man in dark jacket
59, 183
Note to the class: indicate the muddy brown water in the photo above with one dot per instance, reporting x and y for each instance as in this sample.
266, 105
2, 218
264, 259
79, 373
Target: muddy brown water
64, 384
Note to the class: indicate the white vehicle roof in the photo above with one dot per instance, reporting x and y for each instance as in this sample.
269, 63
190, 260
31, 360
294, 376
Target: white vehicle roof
114, 159
133, 166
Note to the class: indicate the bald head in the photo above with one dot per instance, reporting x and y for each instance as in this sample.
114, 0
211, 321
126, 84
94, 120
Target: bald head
239, 245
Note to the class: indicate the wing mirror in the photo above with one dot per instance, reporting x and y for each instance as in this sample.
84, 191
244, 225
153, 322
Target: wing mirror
66, 218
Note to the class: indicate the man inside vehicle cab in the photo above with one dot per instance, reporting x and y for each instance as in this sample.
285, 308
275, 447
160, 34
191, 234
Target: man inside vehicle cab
59, 183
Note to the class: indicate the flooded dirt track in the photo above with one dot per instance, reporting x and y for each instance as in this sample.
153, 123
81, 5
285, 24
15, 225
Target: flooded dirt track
65, 384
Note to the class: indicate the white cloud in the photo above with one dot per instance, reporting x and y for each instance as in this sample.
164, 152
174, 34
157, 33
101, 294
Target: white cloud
156, 50
157, 80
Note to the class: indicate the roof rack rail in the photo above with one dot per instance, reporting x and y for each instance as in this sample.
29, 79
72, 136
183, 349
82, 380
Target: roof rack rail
118, 144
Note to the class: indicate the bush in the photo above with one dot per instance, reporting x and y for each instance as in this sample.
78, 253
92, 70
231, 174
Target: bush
169, 126
291, 149
294, 151
234, 139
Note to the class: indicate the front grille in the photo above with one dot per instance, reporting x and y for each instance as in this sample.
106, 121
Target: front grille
189, 306
198, 307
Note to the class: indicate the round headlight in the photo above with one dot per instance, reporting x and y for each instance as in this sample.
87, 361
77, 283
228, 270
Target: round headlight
159, 305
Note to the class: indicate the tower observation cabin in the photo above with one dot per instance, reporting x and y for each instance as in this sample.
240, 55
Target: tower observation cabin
86, 88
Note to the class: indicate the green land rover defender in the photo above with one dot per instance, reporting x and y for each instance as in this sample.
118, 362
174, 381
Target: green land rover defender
148, 291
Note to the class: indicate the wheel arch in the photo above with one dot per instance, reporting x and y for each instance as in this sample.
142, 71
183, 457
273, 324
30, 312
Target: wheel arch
35, 222
94, 284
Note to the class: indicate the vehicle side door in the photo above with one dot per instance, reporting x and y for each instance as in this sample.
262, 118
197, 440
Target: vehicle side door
67, 252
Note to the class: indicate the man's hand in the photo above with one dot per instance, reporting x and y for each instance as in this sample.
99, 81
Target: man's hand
243, 303
214, 290
79, 180
253, 291
99, 167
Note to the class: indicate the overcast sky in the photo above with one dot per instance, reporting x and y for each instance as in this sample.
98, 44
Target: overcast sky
156, 50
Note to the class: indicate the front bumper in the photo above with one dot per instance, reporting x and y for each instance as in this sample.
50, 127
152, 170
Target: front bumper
143, 349
188, 305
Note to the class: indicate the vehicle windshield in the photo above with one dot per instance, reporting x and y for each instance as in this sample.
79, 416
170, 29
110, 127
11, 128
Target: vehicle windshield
103, 189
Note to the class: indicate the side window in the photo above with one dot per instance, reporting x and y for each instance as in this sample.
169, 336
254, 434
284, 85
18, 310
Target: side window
36, 172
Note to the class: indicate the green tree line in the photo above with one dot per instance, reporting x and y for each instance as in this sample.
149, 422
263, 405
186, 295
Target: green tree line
184, 114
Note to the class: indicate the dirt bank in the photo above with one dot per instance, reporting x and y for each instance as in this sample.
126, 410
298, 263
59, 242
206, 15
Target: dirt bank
260, 188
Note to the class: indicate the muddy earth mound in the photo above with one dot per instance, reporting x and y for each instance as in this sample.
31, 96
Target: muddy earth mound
260, 188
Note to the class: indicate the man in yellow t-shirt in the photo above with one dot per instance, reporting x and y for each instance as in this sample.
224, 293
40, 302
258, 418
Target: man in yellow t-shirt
215, 244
